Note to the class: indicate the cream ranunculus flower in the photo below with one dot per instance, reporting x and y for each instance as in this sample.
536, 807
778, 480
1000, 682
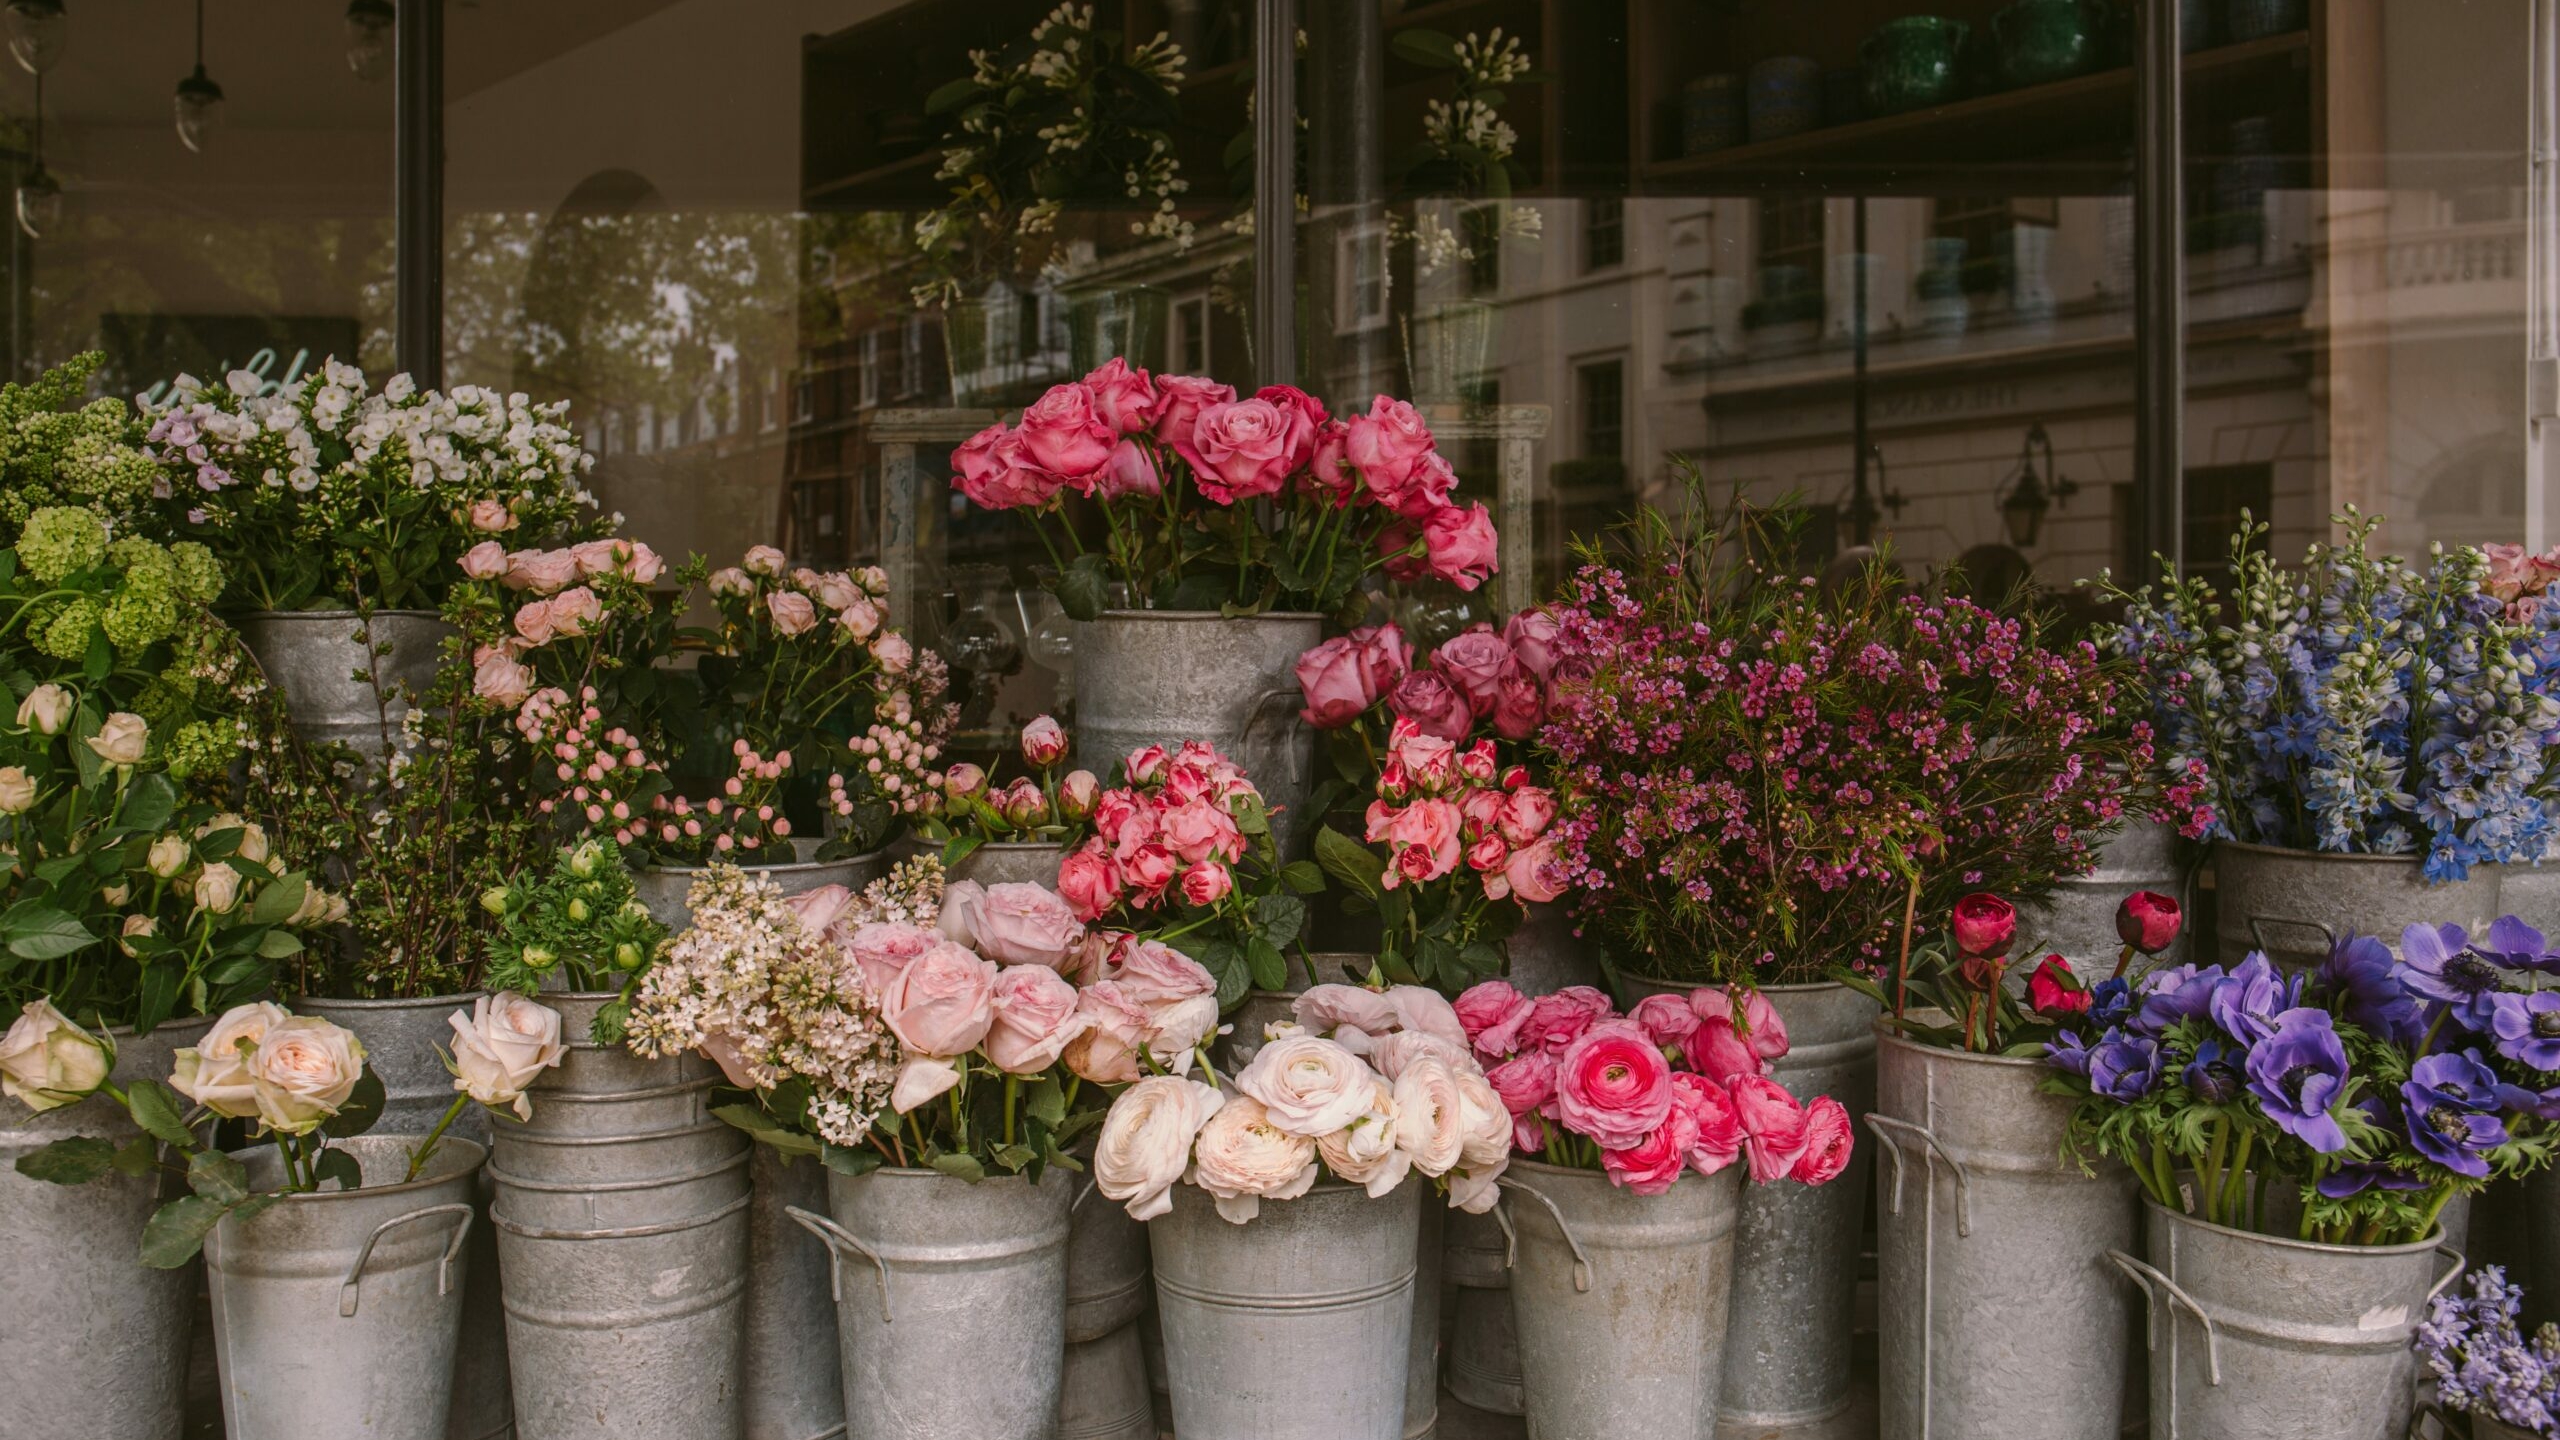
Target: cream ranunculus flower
1310, 1086
1174, 1029
121, 740
17, 789
46, 1061
46, 709
214, 1072
1365, 1152
1242, 1159
1484, 1152
1145, 1145
500, 1045
303, 1071
1431, 1115
217, 889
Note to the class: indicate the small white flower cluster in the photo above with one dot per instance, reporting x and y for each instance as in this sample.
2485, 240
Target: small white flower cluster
1468, 122
1495, 59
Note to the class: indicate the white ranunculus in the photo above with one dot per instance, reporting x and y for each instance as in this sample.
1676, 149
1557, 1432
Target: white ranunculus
303, 1071
46, 1061
1485, 1142
1174, 1029
1402, 1048
1310, 1086
214, 1072
1365, 1152
1431, 1115
17, 789
46, 709
500, 1045
1242, 1159
1145, 1145
121, 740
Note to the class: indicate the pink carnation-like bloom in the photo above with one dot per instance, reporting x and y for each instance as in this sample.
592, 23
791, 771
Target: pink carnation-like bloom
1719, 1135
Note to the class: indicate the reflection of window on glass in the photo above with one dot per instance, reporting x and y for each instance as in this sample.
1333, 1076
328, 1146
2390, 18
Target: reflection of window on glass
871, 367
1360, 284
1790, 253
1191, 335
804, 400
1990, 246
1482, 227
1602, 388
1604, 233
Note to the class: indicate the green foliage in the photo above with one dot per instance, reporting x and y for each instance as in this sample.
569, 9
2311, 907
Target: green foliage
581, 921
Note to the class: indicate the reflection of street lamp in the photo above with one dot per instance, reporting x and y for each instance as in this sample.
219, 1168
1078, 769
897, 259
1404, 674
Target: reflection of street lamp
2030, 495
1865, 508
39, 198
369, 25
199, 100
37, 34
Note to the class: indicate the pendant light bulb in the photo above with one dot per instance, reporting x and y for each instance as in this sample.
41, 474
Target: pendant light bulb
369, 30
37, 33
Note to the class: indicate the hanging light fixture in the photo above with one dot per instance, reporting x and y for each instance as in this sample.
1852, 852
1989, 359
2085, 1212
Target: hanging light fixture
38, 201
37, 32
369, 24
2022, 510
199, 100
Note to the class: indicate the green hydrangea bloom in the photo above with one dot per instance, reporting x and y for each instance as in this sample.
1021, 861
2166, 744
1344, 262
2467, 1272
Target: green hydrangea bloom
60, 539
164, 707
203, 747
142, 615
200, 577
66, 635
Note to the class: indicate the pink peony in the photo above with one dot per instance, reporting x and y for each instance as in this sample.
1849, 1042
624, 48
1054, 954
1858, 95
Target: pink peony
1773, 1124
1435, 706
1242, 450
1492, 1013
1667, 1018
485, 561
1557, 1020
1719, 1136
1183, 398
1612, 1085
1064, 434
1461, 545
942, 1002
1829, 1140
1124, 397
1035, 1016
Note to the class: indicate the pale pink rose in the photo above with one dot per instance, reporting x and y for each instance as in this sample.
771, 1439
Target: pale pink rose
1472, 663
1717, 1138
491, 516
1330, 677
534, 623
1612, 1084
819, 909
942, 1002
573, 610
1017, 924
1183, 397
1107, 1050
540, 571
882, 953
1153, 973
1327, 1008
1493, 1012
600, 557
1064, 435
1462, 546
861, 619
792, 612
1829, 1140
1131, 471
1240, 450
1667, 1018
894, 653
1385, 444
1124, 396
921, 1078
485, 561
1431, 1115
1200, 830
730, 580
1558, 1020
766, 561
1534, 873
729, 1052
645, 564
1035, 1018
1439, 708
1773, 1125
501, 679
1526, 813
1085, 881
836, 590
958, 922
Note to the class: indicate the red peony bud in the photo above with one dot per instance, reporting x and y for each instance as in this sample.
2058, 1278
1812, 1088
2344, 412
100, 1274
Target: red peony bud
2148, 921
2055, 992
1984, 926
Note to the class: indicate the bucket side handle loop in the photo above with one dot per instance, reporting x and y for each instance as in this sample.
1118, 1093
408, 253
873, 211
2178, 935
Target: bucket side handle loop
1091, 1183
1581, 1262
2258, 930
2155, 1286
2449, 1276
1884, 1125
838, 1240
1272, 714
347, 1288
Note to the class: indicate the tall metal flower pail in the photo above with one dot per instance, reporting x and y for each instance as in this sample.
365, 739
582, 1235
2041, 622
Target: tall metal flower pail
2296, 904
1104, 1394
2280, 1339
1998, 1312
111, 1349
1620, 1300
621, 1212
951, 1302
794, 1388
2078, 920
346, 678
338, 1312
1159, 677
1320, 1286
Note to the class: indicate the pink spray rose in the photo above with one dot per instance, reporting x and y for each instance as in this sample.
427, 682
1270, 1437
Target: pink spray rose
1065, 435
1473, 662
540, 571
942, 1002
1035, 1017
575, 609
1435, 706
1526, 813
1124, 397
1183, 397
1612, 1085
500, 678
533, 622
1241, 450
1773, 1124
1461, 545
1557, 1020
1493, 1012
599, 557
1206, 883
792, 612
1343, 677
491, 516
485, 561
1423, 839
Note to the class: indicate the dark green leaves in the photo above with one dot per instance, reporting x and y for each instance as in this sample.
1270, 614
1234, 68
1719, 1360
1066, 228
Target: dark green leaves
1349, 861
1426, 47
217, 1176
75, 1161
756, 1123
362, 1108
1084, 588
176, 1231
34, 931
156, 1109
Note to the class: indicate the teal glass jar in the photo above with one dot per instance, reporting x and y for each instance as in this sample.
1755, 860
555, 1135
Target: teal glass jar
1913, 63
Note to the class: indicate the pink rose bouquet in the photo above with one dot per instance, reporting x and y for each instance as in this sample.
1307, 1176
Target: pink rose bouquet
965, 807
1182, 469
1680, 1083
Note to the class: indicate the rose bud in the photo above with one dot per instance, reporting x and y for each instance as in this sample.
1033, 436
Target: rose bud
2148, 921
1043, 743
1979, 973
1077, 794
1984, 925
2055, 992
964, 781
1025, 805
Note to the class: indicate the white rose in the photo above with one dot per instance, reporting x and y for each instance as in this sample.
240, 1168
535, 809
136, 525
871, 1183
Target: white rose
500, 1045
303, 1071
1242, 1158
168, 857
214, 1073
1310, 1086
1365, 1152
17, 789
46, 709
1431, 1115
1145, 1143
120, 741
217, 889
46, 1061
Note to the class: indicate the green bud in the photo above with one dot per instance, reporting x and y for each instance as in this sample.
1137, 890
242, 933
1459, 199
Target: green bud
494, 899
579, 911
537, 957
627, 956
584, 860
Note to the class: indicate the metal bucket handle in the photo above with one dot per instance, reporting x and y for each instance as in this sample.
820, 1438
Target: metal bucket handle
1511, 1237
2258, 930
1882, 1125
2448, 1277
2154, 1285
1274, 711
1091, 1183
347, 1288
838, 1240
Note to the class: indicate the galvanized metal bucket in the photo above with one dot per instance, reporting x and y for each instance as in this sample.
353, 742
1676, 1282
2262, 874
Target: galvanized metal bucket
109, 1354
662, 888
1158, 677
326, 664
951, 1302
1546, 956
1422, 1361
2079, 918
1998, 1311
2296, 904
794, 1388
1483, 1369
404, 1044
621, 1212
1103, 1392
1620, 1300
2277, 1339
339, 1312
1293, 1326
1010, 862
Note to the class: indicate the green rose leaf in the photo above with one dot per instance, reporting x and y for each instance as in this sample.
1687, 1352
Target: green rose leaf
157, 1109
1270, 967
961, 1167
217, 1176
362, 1108
1083, 591
42, 932
1350, 862
175, 1232
75, 1161
340, 1166
845, 1160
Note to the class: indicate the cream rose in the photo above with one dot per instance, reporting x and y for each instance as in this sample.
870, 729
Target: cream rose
1145, 1145
1310, 1086
500, 1045
136, 927
168, 856
214, 1072
1365, 1152
121, 740
217, 889
1431, 1115
46, 709
47, 1062
303, 1071
1242, 1159
17, 789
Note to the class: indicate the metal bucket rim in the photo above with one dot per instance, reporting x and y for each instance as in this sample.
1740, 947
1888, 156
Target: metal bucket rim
479, 1159
1203, 616
1887, 1035
2433, 1241
793, 867
927, 1172
1804, 987
340, 615
459, 999
2416, 861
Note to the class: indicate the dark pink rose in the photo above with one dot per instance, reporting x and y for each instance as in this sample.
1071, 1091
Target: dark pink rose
1124, 396
1182, 398
1613, 1085
1773, 1124
1532, 634
1667, 1018
1424, 492
1984, 925
1003, 476
1519, 702
1147, 870
1473, 662
1557, 1020
1385, 444
1329, 471
1492, 1013
1829, 1140
1130, 471
1242, 450
1461, 545
1719, 1125
1338, 682
1064, 435
1306, 416
1435, 706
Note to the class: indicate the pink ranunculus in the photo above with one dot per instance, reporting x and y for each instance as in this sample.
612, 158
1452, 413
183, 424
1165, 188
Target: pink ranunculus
1327, 1008
485, 561
1065, 435
1201, 830
1829, 1141
1131, 471
1018, 924
1763, 1029
1525, 1082
1519, 702
1558, 1020
1425, 1011
1044, 742
1533, 636
1720, 1136
1206, 883
1667, 1018
1183, 397
793, 614
1036, 1016
1473, 661
540, 571
1124, 396
1437, 707
1612, 1085
1536, 876
1655, 1161
882, 952
491, 517
1385, 445
501, 679
1773, 1126
1716, 1051
1461, 545
942, 1002
1240, 450
574, 610
533, 622
1493, 1012
1526, 813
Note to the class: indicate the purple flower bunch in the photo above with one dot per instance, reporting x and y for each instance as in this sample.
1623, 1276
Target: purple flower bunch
2379, 1088
2482, 1361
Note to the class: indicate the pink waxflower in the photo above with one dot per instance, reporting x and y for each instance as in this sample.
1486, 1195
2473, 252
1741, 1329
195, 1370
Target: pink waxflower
1064, 434
1243, 450
1719, 1136
485, 561
1472, 662
1124, 396
1435, 706
1181, 399
1773, 1123
1829, 1140
1492, 1012
792, 612
1613, 1085
1461, 545
1667, 1018
1044, 742
1558, 1020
